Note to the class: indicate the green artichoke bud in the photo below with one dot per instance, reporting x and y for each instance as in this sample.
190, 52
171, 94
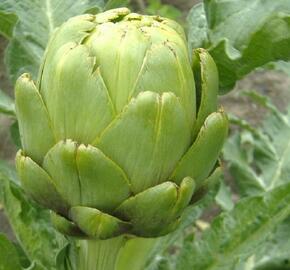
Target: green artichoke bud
117, 135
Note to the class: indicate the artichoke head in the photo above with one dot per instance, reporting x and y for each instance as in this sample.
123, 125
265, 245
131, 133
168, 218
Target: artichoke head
117, 136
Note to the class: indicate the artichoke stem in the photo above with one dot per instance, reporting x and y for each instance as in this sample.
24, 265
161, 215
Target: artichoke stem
120, 253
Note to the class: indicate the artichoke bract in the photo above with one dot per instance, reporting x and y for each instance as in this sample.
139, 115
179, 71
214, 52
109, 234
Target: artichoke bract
117, 135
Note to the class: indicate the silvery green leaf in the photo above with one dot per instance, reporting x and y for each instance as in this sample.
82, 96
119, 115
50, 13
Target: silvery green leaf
224, 197
235, 31
259, 157
234, 236
30, 223
8, 255
37, 21
7, 23
6, 104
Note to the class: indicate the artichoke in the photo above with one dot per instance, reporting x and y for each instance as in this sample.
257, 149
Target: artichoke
117, 135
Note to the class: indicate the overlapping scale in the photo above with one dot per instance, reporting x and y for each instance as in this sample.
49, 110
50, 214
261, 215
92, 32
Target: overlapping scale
148, 138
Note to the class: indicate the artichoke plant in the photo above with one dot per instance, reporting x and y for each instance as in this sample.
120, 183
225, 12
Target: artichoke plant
121, 129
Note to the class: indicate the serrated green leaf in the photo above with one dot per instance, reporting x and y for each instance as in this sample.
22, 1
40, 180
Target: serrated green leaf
197, 27
30, 223
6, 104
235, 235
259, 159
7, 171
280, 66
156, 7
275, 251
223, 197
242, 35
264, 101
34, 28
116, 4
8, 255
7, 23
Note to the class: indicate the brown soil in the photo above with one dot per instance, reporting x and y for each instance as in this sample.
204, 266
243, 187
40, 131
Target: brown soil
274, 84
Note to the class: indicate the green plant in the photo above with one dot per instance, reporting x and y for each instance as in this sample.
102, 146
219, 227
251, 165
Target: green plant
249, 233
155, 7
112, 142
